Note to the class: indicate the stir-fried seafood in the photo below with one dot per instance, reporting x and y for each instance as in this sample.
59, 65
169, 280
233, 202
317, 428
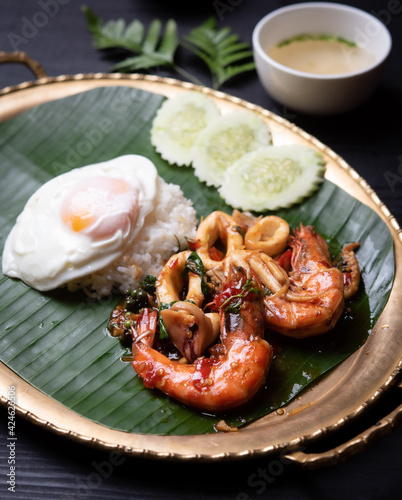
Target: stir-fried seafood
198, 332
268, 234
313, 301
237, 366
216, 238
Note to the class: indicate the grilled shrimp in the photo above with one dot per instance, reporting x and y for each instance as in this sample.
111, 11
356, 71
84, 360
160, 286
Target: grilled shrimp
313, 301
299, 293
236, 368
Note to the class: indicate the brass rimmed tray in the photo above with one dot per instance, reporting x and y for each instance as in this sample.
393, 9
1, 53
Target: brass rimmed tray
367, 373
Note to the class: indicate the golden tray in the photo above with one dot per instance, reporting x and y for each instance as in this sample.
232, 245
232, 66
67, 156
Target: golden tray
367, 373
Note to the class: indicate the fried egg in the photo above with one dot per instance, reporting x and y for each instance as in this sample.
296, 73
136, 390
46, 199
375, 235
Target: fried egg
80, 222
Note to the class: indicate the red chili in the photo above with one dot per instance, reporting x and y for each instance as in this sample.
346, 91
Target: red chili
215, 254
173, 263
285, 260
225, 295
193, 244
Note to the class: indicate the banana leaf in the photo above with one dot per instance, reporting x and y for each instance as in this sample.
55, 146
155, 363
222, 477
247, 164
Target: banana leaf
58, 341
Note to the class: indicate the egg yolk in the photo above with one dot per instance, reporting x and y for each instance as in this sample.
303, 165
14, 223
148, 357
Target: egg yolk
101, 206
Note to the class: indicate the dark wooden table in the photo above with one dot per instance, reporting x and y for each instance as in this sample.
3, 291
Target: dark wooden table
54, 33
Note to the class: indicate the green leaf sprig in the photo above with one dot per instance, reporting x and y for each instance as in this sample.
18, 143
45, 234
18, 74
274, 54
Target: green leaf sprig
154, 47
219, 49
195, 265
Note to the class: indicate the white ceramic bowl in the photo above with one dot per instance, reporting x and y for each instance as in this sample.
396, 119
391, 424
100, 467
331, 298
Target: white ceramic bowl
314, 93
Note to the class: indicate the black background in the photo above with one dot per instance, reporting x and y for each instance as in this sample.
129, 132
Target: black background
368, 138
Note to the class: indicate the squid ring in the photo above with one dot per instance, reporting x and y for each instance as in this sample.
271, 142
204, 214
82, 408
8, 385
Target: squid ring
169, 284
217, 226
269, 234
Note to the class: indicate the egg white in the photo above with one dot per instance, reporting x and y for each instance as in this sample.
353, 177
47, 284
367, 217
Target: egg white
45, 253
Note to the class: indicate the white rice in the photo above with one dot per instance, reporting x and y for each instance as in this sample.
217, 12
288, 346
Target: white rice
172, 219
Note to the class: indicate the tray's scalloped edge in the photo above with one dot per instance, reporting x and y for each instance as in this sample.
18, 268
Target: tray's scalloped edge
295, 444
247, 453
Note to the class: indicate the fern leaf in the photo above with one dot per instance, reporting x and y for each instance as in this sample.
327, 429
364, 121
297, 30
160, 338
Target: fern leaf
219, 49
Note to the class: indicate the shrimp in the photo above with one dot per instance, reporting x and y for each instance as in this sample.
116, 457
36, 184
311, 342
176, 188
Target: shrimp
313, 301
236, 368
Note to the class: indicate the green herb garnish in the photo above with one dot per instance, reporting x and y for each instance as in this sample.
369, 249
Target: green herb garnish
163, 333
307, 36
195, 265
154, 47
149, 284
239, 230
233, 303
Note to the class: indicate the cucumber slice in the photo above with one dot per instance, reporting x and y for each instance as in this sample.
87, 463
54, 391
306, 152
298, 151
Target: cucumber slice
178, 123
273, 177
225, 140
